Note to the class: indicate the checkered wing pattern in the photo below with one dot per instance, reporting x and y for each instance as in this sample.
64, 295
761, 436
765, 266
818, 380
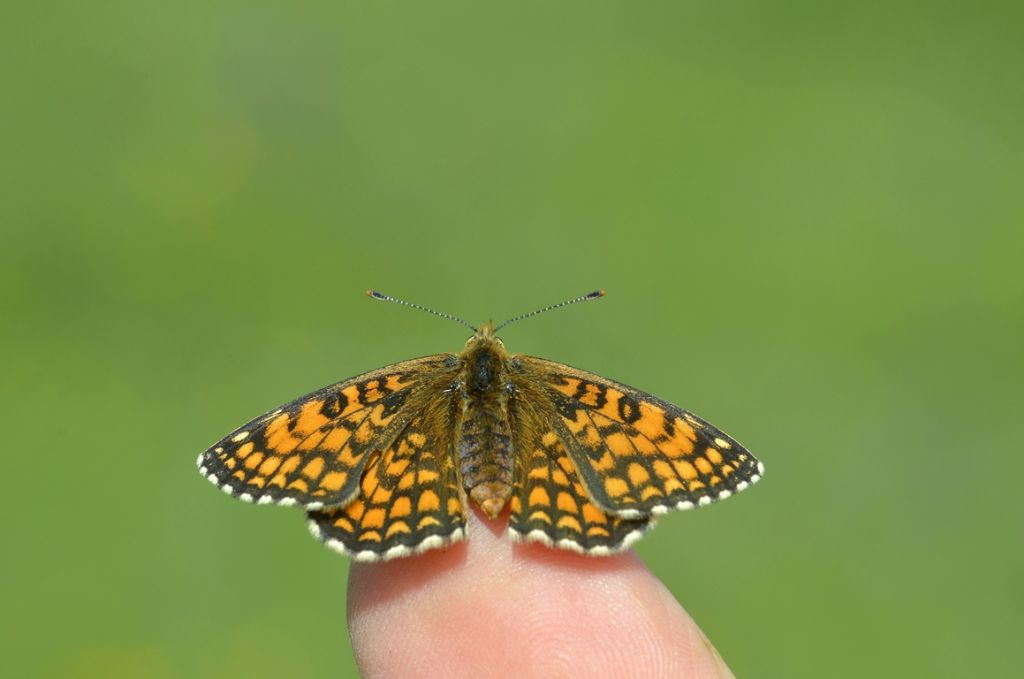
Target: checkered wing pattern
314, 450
635, 454
409, 501
551, 506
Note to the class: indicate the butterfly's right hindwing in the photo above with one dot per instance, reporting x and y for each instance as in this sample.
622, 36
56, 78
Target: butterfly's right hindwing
549, 503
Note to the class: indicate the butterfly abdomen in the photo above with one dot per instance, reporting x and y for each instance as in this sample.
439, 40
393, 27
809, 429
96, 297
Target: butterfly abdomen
484, 436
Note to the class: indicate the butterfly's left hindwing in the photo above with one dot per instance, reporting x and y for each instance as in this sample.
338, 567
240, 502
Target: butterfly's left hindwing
313, 451
409, 500
636, 454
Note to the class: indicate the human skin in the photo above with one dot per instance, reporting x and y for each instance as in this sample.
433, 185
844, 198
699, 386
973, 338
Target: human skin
491, 608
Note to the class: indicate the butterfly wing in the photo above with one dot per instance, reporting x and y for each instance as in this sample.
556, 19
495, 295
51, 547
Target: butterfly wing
635, 454
549, 503
313, 451
410, 498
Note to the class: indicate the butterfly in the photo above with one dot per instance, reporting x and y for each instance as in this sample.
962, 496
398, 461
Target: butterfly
386, 463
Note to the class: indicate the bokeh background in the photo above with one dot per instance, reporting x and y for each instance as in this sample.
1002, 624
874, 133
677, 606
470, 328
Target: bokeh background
808, 217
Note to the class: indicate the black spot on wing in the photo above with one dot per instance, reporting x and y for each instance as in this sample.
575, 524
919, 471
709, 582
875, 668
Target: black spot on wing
394, 401
566, 407
629, 409
334, 404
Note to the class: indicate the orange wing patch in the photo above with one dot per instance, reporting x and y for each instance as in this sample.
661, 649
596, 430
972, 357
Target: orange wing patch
409, 501
312, 451
638, 455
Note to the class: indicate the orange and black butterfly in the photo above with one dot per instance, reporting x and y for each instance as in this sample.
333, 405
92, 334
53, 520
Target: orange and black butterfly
385, 463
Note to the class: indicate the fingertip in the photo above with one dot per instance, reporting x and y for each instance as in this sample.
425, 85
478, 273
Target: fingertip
491, 607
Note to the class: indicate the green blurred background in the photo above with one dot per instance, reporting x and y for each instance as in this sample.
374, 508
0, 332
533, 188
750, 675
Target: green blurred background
808, 216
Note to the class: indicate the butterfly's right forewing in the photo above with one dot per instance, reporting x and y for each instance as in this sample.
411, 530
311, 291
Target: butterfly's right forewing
636, 454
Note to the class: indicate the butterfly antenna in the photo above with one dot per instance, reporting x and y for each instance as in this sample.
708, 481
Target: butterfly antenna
388, 298
582, 298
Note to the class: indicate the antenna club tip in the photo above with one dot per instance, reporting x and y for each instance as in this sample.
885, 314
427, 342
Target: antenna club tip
374, 294
597, 293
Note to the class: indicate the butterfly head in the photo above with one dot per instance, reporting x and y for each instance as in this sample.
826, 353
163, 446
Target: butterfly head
484, 336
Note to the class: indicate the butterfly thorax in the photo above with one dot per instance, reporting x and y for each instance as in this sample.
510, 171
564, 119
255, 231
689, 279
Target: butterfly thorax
483, 437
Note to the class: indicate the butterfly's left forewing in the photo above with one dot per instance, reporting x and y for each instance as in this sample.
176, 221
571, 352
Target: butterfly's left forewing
313, 451
636, 454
